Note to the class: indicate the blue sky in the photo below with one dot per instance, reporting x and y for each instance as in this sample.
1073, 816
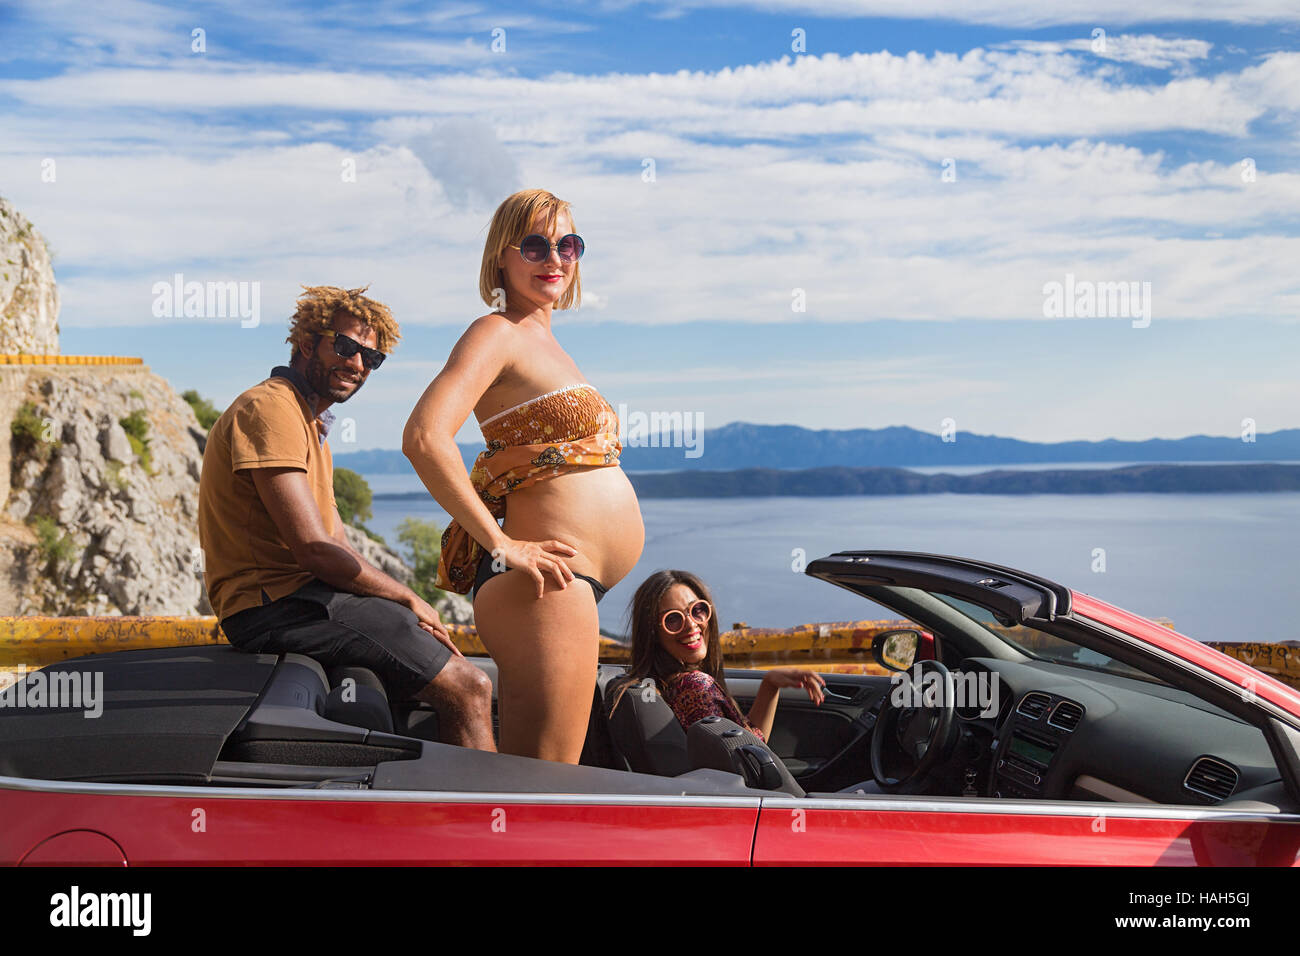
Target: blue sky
776, 169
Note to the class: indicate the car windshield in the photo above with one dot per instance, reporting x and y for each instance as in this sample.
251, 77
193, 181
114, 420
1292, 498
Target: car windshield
1042, 646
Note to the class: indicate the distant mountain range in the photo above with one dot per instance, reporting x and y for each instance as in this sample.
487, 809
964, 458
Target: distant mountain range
742, 445
825, 482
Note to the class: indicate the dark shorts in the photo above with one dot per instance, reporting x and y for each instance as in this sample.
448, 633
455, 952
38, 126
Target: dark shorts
485, 572
338, 628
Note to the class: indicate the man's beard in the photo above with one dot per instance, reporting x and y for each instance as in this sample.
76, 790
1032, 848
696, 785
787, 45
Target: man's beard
318, 377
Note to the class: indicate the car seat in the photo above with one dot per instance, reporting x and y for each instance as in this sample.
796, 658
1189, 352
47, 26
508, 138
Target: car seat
644, 729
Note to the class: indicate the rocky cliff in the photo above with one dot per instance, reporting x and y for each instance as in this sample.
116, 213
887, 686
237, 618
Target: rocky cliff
97, 524
29, 299
101, 518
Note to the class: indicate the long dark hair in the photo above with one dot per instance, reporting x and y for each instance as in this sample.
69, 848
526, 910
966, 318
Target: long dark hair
649, 658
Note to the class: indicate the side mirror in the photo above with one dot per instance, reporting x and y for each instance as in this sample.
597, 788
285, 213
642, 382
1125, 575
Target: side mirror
899, 649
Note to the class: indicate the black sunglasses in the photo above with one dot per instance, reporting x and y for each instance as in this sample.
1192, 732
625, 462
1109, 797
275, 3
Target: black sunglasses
345, 347
537, 248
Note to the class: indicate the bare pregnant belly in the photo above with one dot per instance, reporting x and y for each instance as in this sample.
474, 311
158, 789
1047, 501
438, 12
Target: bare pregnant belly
595, 510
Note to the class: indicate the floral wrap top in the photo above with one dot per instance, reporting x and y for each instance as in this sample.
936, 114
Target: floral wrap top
547, 436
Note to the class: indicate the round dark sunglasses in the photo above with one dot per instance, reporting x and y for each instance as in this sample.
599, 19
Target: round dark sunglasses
537, 248
674, 621
345, 347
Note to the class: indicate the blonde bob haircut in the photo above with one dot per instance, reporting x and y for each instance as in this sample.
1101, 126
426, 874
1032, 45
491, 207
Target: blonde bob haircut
515, 218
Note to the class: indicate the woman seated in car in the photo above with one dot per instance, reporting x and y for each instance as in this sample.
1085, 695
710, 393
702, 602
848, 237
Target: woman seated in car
675, 641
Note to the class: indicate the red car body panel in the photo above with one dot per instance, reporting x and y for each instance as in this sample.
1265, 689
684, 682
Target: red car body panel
361, 830
790, 834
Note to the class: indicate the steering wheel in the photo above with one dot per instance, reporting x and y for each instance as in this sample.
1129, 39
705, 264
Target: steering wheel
920, 727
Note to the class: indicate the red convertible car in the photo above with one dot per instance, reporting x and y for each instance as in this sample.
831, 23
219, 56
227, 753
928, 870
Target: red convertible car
1035, 725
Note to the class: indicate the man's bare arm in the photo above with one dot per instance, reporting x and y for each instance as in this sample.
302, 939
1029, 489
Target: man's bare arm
341, 536
287, 495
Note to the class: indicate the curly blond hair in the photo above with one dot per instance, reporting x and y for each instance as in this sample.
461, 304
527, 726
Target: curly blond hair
319, 304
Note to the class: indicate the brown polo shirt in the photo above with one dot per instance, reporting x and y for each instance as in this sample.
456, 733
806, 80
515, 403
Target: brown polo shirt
269, 426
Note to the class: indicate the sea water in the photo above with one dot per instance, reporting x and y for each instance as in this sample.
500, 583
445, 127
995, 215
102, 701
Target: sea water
1220, 566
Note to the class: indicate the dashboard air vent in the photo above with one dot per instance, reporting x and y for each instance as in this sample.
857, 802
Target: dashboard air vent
1034, 705
1066, 716
1212, 778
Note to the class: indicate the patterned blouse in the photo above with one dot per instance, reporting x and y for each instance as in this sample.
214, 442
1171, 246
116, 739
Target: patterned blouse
694, 695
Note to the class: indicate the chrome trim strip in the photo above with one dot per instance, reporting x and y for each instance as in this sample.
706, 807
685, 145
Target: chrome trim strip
1109, 790
1007, 805
373, 796
875, 802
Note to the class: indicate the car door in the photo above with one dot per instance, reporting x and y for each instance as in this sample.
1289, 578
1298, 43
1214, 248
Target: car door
825, 747
928, 831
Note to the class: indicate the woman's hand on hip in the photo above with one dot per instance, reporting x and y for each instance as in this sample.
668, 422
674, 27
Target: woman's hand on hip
537, 559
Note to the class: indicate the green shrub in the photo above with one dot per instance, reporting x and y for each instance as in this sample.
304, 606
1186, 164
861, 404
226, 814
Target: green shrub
27, 426
53, 545
28, 431
203, 409
423, 540
353, 497
136, 427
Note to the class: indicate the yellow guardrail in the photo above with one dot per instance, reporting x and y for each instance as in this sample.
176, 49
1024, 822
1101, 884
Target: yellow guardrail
70, 360
842, 647
38, 641
28, 643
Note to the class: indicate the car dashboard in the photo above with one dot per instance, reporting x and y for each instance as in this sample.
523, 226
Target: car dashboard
1063, 732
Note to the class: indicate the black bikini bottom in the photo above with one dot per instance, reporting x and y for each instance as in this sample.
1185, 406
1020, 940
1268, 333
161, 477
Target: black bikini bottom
485, 571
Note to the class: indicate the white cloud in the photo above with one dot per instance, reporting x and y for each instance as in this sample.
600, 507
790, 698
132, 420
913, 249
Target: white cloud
1144, 50
820, 173
468, 159
1014, 93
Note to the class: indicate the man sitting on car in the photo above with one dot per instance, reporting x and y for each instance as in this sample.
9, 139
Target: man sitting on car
279, 571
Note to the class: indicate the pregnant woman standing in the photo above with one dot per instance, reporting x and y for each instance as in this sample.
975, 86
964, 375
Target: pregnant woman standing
572, 526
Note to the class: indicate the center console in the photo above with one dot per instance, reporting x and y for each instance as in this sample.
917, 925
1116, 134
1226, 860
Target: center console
1030, 743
